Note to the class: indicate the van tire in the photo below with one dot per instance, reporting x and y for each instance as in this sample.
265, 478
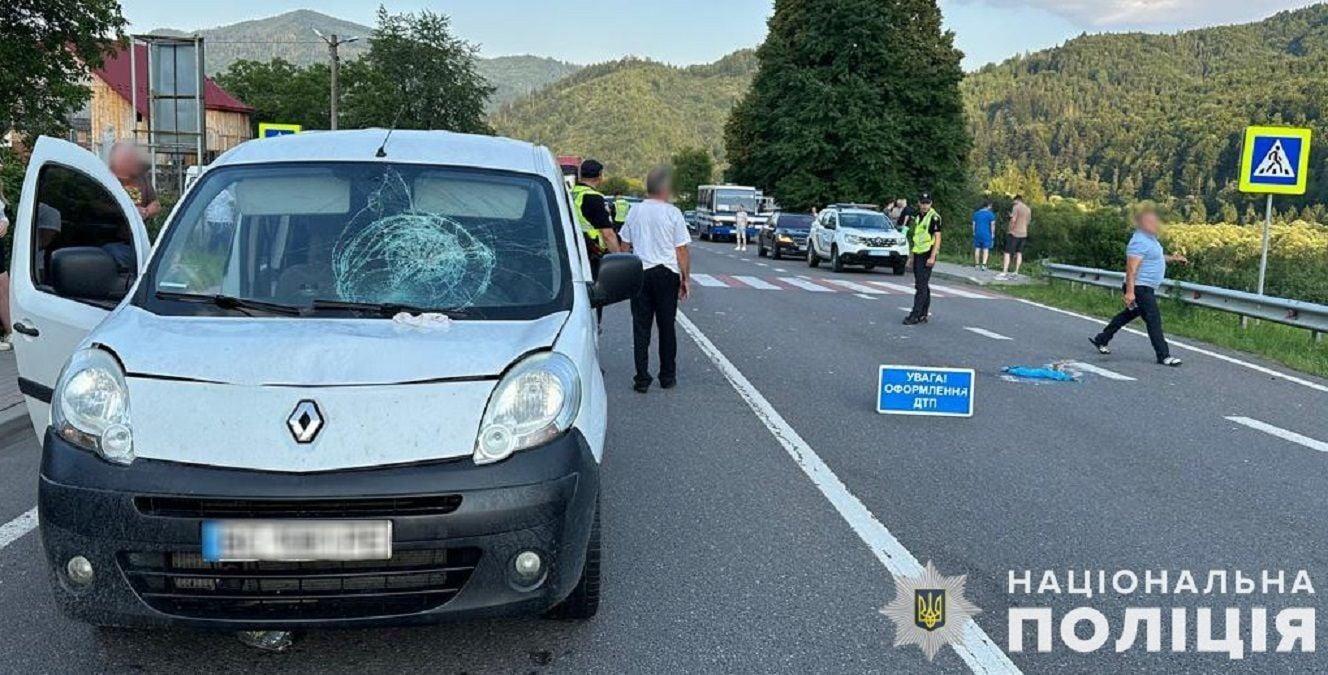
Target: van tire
836, 262
813, 260
583, 603
900, 268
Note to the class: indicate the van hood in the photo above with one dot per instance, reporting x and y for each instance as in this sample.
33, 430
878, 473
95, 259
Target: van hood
317, 352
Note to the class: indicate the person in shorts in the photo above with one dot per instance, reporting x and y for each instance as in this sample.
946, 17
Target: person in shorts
1017, 237
984, 235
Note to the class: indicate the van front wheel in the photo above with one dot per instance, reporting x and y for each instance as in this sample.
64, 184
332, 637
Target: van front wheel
583, 603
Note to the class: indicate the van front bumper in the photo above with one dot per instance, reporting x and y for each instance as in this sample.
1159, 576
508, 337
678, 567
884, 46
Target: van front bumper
456, 529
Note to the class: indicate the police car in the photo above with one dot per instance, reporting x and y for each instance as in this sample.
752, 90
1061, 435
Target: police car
356, 382
859, 235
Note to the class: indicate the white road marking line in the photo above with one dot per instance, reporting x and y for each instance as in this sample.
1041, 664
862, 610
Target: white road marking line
707, 280
16, 528
894, 287
805, 285
957, 292
856, 287
1096, 370
906, 309
759, 284
1198, 350
761, 264
986, 333
781, 270
864, 296
1270, 429
977, 649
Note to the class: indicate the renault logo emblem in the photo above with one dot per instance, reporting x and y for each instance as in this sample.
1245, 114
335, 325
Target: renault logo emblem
305, 422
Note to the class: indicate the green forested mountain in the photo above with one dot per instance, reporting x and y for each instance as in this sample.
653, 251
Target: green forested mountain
632, 113
291, 37
1121, 117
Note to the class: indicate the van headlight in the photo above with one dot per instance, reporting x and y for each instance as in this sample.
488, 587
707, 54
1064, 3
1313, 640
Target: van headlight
90, 406
534, 402
852, 239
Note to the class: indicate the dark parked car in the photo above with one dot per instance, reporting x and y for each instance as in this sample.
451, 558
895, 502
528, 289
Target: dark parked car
786, 234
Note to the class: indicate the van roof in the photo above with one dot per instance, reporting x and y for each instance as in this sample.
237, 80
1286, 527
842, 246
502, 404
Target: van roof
405, 146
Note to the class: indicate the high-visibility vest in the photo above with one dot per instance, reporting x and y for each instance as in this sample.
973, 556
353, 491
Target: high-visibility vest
922, 239
620, 209
579, 193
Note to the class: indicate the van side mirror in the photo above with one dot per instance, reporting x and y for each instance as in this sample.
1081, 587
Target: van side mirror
620, 278
86, 273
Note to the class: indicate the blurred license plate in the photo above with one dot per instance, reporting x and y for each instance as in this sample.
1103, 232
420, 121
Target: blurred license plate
296, 540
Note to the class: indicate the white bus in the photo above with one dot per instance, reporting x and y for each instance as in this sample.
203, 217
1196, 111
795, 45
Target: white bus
717, 210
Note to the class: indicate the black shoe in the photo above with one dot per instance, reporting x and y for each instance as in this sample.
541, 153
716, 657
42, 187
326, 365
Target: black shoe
913, 321
641, 387
1101, 348
668, 383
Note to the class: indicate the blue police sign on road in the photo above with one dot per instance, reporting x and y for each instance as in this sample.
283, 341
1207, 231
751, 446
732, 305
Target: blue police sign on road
915, 390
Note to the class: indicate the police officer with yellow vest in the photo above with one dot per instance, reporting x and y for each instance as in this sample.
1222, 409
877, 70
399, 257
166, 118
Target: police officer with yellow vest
621, 207
592, 214
924, 243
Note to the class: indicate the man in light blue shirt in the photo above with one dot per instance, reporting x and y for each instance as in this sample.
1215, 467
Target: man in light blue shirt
1145, 268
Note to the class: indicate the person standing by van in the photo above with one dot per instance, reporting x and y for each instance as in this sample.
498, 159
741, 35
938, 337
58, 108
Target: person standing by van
740, 228
5, 239
657, 233
592, 217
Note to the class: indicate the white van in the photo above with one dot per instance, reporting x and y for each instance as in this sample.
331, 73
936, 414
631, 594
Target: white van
356, 382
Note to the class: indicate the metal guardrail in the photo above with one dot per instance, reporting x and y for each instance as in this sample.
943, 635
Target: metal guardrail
1307, 315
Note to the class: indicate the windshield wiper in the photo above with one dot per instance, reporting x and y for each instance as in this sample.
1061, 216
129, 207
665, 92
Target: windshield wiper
232, 302
386, 309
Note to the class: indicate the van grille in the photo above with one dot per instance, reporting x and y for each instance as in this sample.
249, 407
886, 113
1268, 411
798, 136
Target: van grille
183, 584
386, 507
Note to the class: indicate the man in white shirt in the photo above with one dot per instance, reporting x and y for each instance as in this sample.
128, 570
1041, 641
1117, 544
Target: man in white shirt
740, 228
657, 233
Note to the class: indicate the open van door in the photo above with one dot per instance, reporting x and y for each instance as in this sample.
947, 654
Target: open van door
74, 220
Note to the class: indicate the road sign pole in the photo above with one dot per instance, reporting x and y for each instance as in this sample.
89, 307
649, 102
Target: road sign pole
1263, 258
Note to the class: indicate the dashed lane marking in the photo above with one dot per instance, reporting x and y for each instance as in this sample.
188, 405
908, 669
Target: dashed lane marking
805, 285
864, 296
986, 333
11, 531
957, 292
1281, 433
977, 649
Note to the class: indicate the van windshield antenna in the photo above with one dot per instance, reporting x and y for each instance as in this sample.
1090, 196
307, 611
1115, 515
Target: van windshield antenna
382, 149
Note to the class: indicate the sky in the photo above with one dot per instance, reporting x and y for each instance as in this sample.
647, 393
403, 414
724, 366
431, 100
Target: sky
701, 31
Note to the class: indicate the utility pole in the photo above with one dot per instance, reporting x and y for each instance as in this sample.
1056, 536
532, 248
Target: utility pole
333, 43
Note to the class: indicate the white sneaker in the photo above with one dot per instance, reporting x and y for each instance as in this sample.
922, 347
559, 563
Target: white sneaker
5, 344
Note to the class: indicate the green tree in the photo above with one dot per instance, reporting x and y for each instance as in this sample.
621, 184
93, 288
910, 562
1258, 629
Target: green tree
416, 75
692, 167
281, 92
47, 49
853, 100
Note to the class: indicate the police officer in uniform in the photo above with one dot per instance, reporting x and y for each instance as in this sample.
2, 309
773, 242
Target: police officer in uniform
620, 209
925, 242
592, 216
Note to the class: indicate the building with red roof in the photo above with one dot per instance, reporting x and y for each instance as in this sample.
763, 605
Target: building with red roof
111, 114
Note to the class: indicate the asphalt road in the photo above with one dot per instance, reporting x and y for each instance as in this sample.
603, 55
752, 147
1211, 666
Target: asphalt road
724, 554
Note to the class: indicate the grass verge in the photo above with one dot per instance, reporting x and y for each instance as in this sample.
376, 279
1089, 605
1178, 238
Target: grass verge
1275, 342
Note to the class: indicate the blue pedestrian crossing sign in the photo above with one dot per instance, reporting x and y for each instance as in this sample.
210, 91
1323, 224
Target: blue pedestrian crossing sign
1276, 161
933, 392
272, 129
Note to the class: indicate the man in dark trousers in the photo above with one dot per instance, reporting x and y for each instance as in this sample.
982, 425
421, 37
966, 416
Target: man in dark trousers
657, 233
924, 235
1145, 268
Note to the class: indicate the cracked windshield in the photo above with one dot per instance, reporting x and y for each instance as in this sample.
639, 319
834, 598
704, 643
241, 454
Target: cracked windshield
366, 234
